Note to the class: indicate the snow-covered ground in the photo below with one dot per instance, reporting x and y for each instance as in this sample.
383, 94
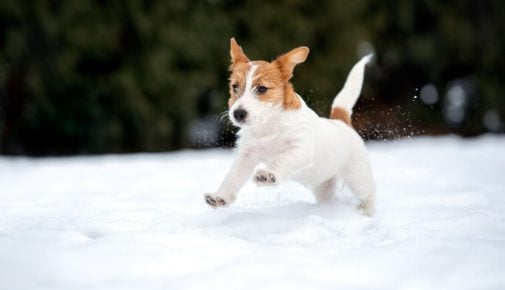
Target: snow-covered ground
140, 222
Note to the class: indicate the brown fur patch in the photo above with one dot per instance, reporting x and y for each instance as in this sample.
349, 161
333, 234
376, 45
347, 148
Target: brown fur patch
341, 114
238, 75
286, 64
231, 101
236, 52
280, 90
289, 60
274, 76
291, 100
268, 75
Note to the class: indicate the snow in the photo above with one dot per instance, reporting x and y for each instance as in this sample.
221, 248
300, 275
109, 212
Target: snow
140, 222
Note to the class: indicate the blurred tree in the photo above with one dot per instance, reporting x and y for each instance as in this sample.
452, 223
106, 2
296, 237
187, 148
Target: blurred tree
97, 76
443, 44
122, 76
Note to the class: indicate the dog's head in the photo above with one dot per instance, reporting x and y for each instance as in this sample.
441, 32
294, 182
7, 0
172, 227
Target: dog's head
261, 89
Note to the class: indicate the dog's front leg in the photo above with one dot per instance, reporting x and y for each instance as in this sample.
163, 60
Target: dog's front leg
286, 164
240, 171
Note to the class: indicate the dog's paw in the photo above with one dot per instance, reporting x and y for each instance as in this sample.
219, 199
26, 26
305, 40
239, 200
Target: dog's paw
264, 177
216, 201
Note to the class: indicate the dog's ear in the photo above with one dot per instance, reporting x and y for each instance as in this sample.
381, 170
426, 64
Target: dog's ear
289, 60
236, 52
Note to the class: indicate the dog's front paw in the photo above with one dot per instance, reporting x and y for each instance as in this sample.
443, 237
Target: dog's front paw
217, 201
264, 177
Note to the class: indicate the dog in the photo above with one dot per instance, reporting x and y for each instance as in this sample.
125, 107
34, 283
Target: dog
277, 129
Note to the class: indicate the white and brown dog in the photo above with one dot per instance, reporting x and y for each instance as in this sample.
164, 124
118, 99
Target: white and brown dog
280, 131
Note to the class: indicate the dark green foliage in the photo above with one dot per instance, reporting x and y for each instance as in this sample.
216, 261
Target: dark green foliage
124, 76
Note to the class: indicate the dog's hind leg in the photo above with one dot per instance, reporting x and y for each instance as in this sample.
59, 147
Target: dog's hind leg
358, 178
325, 192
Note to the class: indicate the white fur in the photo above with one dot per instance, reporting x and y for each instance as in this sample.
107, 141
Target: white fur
250, 78
299, 145
349, 94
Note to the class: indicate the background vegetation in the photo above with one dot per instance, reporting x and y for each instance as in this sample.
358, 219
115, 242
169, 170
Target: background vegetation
100, 76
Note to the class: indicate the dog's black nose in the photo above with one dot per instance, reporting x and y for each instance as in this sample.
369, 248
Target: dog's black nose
240, 114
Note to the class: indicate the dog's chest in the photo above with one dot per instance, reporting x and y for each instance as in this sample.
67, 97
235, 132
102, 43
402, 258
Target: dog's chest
267, 147
271, 148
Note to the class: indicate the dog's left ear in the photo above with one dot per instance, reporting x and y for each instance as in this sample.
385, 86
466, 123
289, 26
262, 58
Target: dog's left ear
236, 52
289, 60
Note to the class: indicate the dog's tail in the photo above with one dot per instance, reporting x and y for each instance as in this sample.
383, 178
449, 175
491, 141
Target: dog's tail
341, 109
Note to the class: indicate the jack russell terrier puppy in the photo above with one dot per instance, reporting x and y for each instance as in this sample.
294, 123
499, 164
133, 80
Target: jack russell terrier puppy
278, 130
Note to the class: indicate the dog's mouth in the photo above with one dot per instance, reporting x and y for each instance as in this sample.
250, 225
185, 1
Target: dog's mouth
238, 124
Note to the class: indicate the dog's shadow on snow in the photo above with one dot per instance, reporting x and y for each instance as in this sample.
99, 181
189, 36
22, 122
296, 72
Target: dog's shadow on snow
296, 222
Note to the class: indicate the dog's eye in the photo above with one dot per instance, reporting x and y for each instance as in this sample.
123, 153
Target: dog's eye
234, 87
261, 89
